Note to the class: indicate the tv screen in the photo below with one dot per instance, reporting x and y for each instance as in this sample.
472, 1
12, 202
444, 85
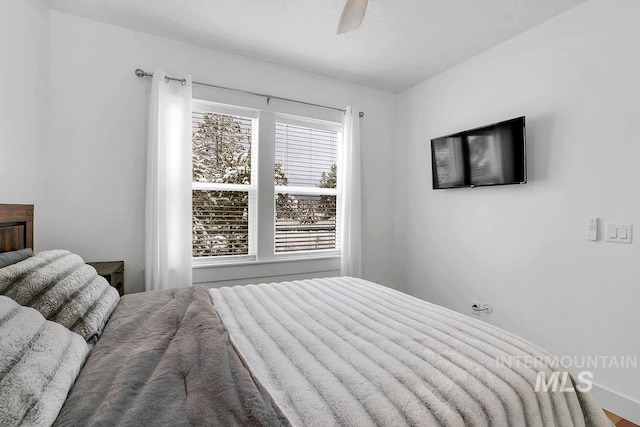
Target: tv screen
490, 155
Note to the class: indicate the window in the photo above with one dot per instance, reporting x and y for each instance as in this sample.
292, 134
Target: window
306, 193
247, 162
224, 191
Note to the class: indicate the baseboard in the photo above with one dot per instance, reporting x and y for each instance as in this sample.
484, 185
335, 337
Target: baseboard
623, 406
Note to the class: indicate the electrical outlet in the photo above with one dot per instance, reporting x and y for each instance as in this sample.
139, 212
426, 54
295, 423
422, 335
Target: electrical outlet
474, 305
477, 308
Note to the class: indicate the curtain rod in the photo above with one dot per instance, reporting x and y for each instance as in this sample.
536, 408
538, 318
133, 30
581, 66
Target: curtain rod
142, 73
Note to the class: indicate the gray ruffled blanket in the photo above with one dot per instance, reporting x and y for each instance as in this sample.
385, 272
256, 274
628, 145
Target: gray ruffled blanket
165, 359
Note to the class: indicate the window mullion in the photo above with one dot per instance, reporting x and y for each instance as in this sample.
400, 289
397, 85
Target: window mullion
266, 191
214, 186
319, 191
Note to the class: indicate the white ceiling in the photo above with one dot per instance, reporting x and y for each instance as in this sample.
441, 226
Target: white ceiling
400, 43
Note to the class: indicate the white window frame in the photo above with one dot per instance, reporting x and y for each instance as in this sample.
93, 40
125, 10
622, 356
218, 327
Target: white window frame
262, 219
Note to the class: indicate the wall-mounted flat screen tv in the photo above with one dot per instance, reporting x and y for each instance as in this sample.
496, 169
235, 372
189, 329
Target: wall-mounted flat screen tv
489, 155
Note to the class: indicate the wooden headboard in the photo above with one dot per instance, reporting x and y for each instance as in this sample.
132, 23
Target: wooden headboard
16, 227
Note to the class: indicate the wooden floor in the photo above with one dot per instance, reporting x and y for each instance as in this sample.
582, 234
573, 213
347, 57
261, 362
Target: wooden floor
618, 421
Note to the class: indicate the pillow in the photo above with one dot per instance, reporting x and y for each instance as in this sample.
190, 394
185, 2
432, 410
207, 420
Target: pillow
8, 258
63, 289
39, 362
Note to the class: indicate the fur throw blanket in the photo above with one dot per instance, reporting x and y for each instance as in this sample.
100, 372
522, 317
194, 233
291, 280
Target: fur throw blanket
39, 362
64, 289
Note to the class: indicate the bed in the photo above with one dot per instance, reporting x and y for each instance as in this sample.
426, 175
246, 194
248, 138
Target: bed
321, 352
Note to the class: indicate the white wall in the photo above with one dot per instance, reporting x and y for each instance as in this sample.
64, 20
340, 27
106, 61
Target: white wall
95, 158
523, 249
24, 30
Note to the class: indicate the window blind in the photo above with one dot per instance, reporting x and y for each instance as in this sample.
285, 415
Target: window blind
221, 148
306, 194
305, 153
220, 223
222, 196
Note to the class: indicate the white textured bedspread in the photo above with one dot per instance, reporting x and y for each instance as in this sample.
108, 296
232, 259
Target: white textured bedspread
345, 351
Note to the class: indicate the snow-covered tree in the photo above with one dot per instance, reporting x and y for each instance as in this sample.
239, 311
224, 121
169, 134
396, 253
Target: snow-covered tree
285, 203
328, 203
221, 154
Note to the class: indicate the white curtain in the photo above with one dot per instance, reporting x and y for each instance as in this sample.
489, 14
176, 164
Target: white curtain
168, 191
350, 196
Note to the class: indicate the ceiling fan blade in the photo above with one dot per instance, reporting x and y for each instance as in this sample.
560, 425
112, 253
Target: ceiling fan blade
352, 15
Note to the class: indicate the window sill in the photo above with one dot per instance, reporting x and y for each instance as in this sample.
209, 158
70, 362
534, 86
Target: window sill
208, 262
271, 270
252, 260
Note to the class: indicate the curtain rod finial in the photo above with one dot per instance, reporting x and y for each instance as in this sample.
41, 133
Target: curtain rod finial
142, 73
361, 114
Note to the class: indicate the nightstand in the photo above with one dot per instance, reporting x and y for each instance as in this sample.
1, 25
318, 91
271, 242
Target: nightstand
113, 271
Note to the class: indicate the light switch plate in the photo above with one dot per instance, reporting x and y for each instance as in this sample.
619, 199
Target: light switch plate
624, 233
619, 233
